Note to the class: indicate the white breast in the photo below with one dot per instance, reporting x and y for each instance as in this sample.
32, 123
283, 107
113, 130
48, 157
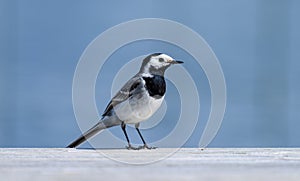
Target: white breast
138, 108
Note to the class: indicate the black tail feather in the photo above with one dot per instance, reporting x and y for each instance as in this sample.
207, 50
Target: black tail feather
91, 132
104, 123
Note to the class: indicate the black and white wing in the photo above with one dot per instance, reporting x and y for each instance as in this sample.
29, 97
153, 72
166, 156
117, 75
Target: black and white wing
126, 92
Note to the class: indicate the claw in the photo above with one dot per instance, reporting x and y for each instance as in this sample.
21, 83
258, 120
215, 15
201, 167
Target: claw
129, 147
147, 147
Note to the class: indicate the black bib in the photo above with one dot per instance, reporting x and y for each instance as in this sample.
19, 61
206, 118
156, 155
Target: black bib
155, 85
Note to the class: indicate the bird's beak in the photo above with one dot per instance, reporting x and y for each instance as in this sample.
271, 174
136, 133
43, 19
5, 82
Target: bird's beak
176, 62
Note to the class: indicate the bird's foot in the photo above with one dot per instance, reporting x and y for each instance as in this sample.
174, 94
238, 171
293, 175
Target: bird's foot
129, 147
145, 146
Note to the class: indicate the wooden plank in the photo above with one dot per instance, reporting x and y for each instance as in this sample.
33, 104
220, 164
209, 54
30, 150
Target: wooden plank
185, 164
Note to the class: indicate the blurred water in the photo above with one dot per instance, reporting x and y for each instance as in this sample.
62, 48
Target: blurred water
257, 43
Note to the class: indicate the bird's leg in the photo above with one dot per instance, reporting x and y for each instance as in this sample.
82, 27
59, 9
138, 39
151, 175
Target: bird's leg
145, 144
129, 147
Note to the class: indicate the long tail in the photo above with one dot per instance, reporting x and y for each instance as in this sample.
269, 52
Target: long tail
93, 131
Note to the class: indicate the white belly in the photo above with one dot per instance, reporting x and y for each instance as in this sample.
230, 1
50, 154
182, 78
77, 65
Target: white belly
140, 109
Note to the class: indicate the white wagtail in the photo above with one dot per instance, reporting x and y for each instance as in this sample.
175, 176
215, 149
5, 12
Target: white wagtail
137, 100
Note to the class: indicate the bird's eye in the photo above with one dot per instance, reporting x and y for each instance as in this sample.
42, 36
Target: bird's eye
160, 59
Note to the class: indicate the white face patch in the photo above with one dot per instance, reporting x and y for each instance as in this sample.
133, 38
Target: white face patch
160, 61
157, 62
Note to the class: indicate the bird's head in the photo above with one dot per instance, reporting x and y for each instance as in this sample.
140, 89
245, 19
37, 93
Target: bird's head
157, 63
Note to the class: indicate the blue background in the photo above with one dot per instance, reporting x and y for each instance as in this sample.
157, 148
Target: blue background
257, 43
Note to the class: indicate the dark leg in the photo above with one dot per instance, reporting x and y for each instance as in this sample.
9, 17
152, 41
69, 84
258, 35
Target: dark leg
145, 144
129, 147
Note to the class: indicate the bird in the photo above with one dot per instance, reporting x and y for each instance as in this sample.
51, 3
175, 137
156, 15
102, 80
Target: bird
136, 101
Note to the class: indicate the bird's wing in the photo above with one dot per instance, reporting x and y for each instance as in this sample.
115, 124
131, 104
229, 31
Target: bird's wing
123, 94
